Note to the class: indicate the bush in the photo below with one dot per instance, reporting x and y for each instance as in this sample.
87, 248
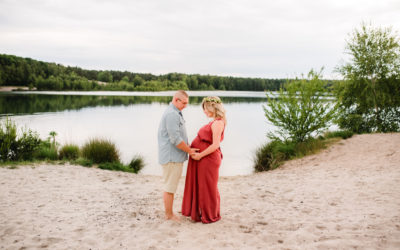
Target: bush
308, 147
267, 158
274, 153
14, 148
301, 109
136, 164
116, 166
8, 140
369, 97
28, 143
100, 151
344, 134
69, 151
83, 162
46, 152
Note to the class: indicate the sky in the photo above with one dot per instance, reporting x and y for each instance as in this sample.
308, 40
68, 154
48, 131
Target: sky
244, 38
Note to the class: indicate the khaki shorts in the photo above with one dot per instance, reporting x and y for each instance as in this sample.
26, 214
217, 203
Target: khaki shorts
172, 171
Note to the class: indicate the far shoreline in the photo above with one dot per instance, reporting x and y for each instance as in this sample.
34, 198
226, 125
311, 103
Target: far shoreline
14, 88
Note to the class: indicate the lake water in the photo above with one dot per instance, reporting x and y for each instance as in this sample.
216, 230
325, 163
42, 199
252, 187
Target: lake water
130, 120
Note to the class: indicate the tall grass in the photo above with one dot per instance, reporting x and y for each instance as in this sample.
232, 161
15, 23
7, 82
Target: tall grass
340, 133
28, 146
100, 151
136, 164
69, 152
271, 155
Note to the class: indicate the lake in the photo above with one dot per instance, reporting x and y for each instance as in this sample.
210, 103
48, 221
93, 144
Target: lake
130, 120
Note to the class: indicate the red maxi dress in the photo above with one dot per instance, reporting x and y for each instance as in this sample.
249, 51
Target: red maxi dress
201, 200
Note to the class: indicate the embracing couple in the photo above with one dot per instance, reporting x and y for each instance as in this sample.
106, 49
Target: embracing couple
201, 200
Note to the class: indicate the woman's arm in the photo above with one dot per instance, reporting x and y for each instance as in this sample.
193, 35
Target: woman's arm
217, 127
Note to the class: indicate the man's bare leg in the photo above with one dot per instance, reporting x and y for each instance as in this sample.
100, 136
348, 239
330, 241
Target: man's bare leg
168, 203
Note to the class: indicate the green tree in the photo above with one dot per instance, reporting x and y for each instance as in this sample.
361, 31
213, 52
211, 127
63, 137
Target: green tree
301, 109
137, 81
369, 96
104, 76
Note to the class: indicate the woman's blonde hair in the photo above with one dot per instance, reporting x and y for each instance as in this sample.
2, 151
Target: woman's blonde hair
214, 105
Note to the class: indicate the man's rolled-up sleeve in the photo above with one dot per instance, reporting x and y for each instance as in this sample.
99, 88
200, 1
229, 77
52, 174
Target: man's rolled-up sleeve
172, 123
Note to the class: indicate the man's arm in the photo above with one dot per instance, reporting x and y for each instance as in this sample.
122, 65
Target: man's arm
172, 124
184, 147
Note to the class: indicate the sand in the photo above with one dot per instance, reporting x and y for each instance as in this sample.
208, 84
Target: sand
12, 88
347, 196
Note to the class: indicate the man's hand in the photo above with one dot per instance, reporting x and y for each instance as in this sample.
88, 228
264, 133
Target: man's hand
193, 151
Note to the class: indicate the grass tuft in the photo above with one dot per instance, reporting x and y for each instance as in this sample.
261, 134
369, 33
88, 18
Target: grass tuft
100, 151
69, 152
271, 155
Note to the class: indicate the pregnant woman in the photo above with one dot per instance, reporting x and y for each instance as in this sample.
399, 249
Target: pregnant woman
201, 200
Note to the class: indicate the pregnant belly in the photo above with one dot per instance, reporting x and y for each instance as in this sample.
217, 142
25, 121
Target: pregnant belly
197, 143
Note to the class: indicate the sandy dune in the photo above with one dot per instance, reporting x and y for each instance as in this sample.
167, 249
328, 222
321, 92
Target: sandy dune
348, 196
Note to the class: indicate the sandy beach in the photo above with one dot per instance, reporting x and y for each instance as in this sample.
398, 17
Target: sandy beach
347, 196
12, 88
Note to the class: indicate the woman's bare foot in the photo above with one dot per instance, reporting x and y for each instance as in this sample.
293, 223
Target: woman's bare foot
173, 217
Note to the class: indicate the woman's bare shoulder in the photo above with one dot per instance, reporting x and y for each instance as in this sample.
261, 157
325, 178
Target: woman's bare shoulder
218, 124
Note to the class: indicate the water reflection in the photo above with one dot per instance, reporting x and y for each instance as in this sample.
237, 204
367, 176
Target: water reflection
16, 103
132, 122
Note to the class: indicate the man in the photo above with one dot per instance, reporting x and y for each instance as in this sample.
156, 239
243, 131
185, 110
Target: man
173, 148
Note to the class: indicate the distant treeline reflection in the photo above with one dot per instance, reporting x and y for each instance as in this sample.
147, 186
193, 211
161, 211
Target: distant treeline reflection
11, 104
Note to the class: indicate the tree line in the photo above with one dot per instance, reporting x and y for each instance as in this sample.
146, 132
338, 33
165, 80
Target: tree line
19, 71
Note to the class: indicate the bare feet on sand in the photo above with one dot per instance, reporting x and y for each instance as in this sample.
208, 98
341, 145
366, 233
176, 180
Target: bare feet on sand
173, 217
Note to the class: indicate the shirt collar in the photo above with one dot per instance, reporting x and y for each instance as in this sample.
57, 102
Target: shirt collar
175, 108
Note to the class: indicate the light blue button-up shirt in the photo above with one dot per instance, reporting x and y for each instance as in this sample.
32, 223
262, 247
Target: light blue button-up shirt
171, 132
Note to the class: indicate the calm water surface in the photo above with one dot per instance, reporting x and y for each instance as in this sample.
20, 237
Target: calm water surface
130, 120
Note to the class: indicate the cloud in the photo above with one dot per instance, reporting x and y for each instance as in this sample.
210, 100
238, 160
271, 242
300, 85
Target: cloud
255, 38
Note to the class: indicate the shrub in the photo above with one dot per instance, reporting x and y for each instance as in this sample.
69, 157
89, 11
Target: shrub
341, 133
310, 146
83, 162
8, 140
69, 151
301, 109
100, 151
115, 166
370, 95
14, 148
136, 164
272, 154
267, 157
28, 143
46, 152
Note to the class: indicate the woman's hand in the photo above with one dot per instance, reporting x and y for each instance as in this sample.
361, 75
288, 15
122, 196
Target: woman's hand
196, 156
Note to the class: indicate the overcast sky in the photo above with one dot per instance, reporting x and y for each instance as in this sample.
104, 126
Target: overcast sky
261, 38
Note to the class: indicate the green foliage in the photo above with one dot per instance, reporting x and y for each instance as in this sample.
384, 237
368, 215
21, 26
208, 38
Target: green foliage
104, 76
69, 151
50, 76
370, 95
266, 157
344, 134
136, 164
13, 147
83, 162
300, 110
28, 143
274, 153
46, 151
116, 166
100, 151
53, 135
8, 140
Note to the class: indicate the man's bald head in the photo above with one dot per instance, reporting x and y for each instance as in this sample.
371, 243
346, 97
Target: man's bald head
180, 99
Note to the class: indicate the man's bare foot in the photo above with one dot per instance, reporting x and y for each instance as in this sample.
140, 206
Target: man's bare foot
173, 217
